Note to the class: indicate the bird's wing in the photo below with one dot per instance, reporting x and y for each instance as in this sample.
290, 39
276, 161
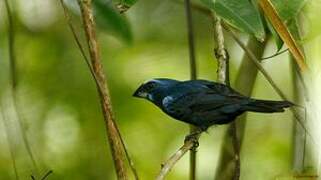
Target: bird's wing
219, 88
211, 101
196, 102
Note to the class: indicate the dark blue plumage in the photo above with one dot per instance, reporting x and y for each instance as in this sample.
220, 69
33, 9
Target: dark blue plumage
203, 103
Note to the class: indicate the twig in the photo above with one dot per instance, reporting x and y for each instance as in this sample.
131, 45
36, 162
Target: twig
14, 82
244, 83
221, 53
87, 61
265, 74
47, 175
111, 128
223, 77
276, 54
193, 75
169, 164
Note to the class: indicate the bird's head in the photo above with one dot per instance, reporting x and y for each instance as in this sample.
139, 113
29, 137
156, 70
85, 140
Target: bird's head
154, 89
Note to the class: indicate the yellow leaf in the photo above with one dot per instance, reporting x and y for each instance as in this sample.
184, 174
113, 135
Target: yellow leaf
279, 26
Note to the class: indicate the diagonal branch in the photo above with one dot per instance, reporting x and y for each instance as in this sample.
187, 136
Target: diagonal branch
113, 134
265, 74
189, 144
100, 88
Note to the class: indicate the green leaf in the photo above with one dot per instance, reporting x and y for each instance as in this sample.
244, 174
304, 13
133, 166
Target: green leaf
278, 41
109, 19
288, 9
239, 13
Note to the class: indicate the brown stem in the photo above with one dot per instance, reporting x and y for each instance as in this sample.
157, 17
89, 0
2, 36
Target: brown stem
88, 63
113, 134
244, 83
223, 77
221, 53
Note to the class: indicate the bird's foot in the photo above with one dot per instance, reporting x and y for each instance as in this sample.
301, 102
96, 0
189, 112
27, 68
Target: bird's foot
194, 136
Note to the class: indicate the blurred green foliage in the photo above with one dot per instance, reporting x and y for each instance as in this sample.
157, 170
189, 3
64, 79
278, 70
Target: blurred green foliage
60, 106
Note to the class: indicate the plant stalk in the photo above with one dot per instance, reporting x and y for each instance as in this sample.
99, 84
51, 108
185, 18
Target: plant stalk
113, 134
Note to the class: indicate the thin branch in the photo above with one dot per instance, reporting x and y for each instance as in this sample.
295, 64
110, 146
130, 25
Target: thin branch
14, 82
193, 76
223, 77
276, 54
197, 7
189, 144
265, 74
113, 134
244, 83
47, 175
100, 88
221, 53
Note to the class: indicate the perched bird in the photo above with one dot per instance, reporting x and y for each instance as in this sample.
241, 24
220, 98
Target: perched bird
203, 103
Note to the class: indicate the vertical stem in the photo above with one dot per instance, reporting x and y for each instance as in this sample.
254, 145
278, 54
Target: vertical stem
113, 134
221, 53
193, 76
246, 78
299, 134
14, 82
191, 43
229, 164
223, 77
244, 83
301, 95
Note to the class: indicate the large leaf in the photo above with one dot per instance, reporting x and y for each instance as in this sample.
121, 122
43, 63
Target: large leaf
283, 31
288, 9
109, 19
278, 41
239, 13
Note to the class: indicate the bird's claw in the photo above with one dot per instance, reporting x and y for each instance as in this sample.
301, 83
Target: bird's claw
193, 137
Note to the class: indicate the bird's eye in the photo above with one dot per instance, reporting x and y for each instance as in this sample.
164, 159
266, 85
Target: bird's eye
150, 86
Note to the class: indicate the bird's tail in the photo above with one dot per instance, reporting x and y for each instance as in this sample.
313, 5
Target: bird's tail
266, 106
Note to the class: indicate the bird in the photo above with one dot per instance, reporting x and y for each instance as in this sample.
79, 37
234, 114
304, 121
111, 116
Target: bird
203, 103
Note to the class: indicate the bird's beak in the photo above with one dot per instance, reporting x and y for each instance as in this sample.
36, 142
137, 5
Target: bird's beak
136, 93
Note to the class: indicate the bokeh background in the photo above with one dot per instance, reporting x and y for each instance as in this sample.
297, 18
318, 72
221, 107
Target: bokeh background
60, 108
